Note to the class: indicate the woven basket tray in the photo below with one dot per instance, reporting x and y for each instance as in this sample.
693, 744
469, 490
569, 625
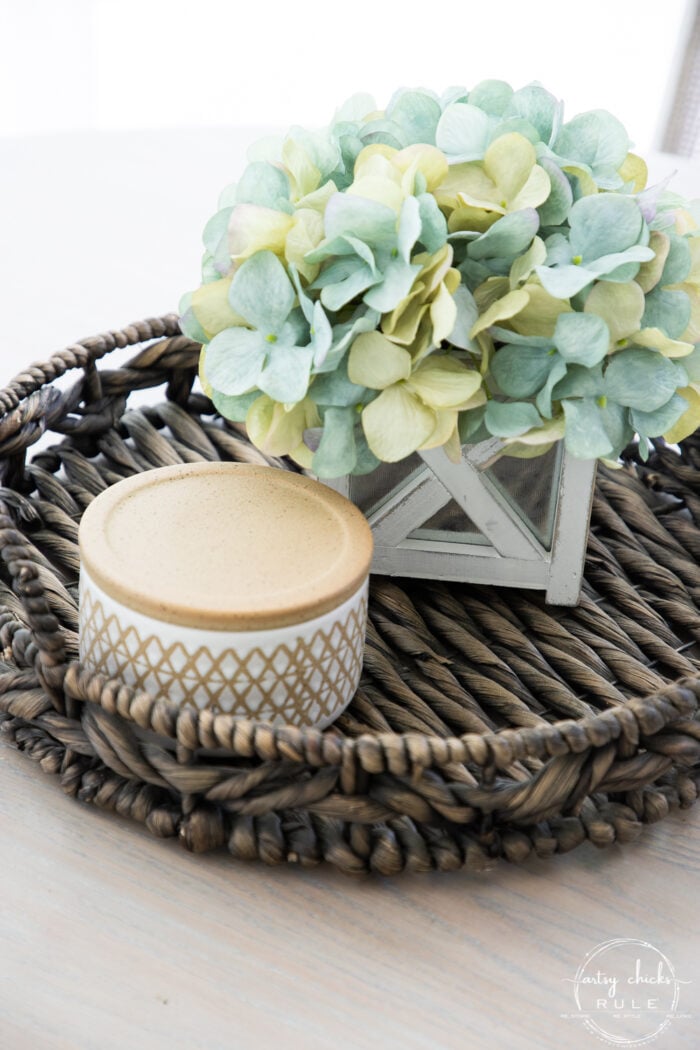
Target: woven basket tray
487, 724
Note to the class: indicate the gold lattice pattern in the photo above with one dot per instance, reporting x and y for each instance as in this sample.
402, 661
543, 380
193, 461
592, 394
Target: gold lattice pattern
305, 683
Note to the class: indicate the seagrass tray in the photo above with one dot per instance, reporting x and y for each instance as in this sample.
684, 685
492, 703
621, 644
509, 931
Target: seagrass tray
486, 725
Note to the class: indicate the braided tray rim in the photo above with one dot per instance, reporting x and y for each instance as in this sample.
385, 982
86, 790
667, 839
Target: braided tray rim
381, 792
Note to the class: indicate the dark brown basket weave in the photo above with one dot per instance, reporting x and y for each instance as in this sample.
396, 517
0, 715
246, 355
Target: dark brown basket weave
487, 724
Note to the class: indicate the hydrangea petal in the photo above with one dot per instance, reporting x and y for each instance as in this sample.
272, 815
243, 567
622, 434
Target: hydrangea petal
430, 162
189, 325
580, 382
363, 320
321, 335
375, 188
366, 459
318, 199
216, 230
417, 114
661, 419
467, 315
597, 138
678, 261
582, 339
434, 268
336, 454
493, 96
689, 422
234, 360
667, 310
540, 108
509, 236
335, 296
375, 362
252, 228
305, 235
305, 176
503, 309
621, 306
604, 224
525, 264
302, 456
654, 339
201, 373
409, 228
212, 309
586, 436
264, 183
691, 333
556, 207
562, 282
373, 223
543, 401
610, 267
463, 132
355, 108
634, 170
536, 441
285, 376
396, 283
443, 382
616, 425
473, 219
640, 379
539, 315
433, 232
443, 315
457, 177
446, 425
511, 419
535, 191
508, 163
401, 323
322, 150
520, 371
397, 423
277, 430
262, 292
335, 389
235, 407
691, 364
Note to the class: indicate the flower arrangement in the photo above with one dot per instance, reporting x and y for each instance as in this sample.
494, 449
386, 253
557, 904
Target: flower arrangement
446, 270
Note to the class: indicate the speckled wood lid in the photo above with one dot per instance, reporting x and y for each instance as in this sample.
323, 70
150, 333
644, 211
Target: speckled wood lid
225, 546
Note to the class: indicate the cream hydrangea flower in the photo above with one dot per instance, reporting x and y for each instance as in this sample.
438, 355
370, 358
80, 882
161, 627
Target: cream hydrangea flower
427, 315
389, 176
508, 179
419, 404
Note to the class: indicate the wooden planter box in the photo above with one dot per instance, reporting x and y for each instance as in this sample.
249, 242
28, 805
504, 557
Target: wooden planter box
490, 519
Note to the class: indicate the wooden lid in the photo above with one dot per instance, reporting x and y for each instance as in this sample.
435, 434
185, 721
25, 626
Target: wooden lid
225, 546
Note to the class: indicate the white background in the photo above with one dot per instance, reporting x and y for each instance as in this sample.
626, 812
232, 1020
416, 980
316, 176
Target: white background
121, 120
120, 64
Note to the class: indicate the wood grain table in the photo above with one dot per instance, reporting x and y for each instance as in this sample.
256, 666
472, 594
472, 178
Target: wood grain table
112, 940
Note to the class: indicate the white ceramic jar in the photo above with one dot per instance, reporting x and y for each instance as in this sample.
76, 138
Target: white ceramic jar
227, 586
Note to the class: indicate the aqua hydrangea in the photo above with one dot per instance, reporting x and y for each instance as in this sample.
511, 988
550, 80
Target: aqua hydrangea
444, 270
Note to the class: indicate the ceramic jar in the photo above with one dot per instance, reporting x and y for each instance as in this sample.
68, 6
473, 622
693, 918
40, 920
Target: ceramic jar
227, 586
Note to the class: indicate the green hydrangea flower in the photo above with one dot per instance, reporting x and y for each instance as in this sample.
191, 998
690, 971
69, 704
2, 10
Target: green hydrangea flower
450, 266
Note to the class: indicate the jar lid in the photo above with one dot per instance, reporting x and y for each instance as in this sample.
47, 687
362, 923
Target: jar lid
225, 546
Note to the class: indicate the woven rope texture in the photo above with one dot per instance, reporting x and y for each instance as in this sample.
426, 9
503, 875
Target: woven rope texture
486, 725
